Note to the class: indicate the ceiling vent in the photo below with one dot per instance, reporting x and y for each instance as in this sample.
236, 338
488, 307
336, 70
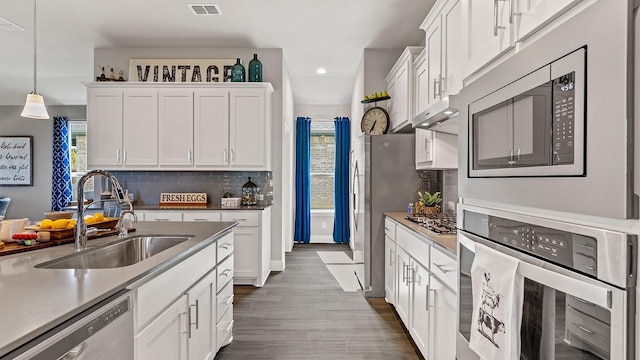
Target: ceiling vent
8, 25
205, 9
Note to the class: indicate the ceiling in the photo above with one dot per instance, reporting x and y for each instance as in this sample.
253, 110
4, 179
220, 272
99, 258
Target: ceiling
321, 33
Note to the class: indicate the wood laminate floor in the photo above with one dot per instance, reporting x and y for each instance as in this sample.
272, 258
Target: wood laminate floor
303, 313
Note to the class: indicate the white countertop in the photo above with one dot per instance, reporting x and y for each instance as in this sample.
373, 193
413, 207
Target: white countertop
34, 300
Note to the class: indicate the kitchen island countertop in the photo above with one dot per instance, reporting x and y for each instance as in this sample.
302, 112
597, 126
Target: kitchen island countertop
34, 300
447, 240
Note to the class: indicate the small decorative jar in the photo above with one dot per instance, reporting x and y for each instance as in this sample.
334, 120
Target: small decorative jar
237, 72
255, 69
249, 192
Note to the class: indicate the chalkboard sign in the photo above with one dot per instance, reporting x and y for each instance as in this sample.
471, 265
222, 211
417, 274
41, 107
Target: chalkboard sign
16, 161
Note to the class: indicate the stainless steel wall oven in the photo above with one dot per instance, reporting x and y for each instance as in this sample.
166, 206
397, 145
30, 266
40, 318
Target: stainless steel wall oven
579, 284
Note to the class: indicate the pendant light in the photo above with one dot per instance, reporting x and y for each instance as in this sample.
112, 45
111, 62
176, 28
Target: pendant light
34, 106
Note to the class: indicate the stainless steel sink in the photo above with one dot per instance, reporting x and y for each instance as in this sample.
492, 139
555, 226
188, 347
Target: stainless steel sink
116, 254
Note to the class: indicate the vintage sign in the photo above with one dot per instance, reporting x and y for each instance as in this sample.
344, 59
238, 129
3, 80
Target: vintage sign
180, 70
16, 162
183, 198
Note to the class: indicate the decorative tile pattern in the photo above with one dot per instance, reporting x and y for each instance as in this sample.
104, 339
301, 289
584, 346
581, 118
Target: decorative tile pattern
61, 166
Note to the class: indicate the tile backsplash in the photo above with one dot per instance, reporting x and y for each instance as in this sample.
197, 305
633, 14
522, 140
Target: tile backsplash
146, 186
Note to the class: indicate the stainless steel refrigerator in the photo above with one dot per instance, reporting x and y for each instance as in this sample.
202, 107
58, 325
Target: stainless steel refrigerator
384, 178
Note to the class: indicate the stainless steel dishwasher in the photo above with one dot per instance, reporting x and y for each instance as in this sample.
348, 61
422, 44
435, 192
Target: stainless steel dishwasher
102, 332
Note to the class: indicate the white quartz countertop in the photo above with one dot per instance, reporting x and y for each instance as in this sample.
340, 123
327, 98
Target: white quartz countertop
34, 300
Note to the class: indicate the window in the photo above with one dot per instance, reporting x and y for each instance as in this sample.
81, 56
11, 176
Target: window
323, 149
78, 155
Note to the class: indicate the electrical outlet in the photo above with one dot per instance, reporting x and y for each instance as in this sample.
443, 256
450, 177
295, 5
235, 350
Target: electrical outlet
451, 205
323, 224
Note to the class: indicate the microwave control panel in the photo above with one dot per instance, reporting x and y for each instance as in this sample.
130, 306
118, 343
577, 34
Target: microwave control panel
563, 119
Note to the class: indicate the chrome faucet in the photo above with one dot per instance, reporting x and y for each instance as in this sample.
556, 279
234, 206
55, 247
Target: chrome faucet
123, 230
81, 226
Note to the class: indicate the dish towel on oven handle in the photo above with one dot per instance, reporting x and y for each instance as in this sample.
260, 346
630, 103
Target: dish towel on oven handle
497, 305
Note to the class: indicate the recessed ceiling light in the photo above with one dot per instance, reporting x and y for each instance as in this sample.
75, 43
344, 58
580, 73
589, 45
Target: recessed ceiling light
448, 112
321, 71
9, 26
205, 9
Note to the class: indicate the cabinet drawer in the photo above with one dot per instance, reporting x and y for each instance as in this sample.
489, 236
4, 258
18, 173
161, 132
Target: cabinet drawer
413, 245
390, 228
586, 307
224, 301
443, 266
162, 216
201, 216
587, 329
225, 247
243, 218
225, 329
225, 273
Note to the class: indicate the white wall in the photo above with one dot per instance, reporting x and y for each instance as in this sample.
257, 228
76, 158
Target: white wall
288, 148
272, 71
323, 112
322, 226
32, 201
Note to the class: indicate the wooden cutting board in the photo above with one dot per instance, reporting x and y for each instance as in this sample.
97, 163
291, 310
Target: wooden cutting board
14, 248
59, 234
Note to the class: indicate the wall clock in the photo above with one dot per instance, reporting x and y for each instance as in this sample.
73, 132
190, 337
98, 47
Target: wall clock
375, 121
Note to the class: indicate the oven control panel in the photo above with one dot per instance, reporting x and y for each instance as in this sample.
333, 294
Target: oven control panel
564, 248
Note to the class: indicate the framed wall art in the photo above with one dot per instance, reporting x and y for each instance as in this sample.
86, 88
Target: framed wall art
16, 160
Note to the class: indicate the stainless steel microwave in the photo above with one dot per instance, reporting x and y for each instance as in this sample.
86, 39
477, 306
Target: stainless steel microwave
534, 126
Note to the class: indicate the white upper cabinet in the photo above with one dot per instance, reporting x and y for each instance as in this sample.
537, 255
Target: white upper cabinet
400, 87
211, 127
451, 49
436, 150
175, 127
486, 32
148, 126
433, 48
530, 15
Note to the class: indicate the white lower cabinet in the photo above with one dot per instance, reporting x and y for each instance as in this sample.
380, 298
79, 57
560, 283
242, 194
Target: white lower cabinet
389, 270
176, 314
425, 296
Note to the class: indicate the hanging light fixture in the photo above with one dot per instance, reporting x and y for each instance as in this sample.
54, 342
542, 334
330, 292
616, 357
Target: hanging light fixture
34, 106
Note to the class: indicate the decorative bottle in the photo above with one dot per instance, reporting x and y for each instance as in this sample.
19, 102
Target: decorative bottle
237, 72
249, 191
255, 69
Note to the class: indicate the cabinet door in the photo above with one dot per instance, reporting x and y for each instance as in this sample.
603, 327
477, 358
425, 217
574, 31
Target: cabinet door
161, 215
403, 92
166, 337
420, 307
421, 147
247, 128
207, 215
451, 47
486, 32
402, 272
175, 121
530, 15
140, 127
202, 328
104, 127
247, 253
422, 83
442, 328
389, 270
433, 46
211, 128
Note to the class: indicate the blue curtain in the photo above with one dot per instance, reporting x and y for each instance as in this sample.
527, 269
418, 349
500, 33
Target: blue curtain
61, 177
341, 179
303, 180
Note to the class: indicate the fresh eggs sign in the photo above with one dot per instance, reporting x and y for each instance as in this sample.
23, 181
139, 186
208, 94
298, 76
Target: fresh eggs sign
177, 70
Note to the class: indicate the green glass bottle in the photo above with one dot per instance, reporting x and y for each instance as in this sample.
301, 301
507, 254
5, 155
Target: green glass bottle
255, 69
237, 72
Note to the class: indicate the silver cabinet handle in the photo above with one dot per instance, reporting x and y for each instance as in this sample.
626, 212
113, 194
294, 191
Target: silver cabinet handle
229, 300
429, 301
410, 274
441, 268
224, 152
229, 327
158, 219
443, 83
226, 272
518, 155
496, 24
589, 267
233, 155
189, 156
118, 155
588, 331
584, 301
404, 272
511, 161
199, 219
124, 157
188, 313
435, 81
197, 316
239, 219
512, 11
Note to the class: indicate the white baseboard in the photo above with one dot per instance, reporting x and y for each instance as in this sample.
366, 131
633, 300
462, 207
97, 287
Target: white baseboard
277, 265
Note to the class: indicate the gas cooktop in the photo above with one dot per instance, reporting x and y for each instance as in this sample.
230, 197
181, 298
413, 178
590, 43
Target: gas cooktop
439, 223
